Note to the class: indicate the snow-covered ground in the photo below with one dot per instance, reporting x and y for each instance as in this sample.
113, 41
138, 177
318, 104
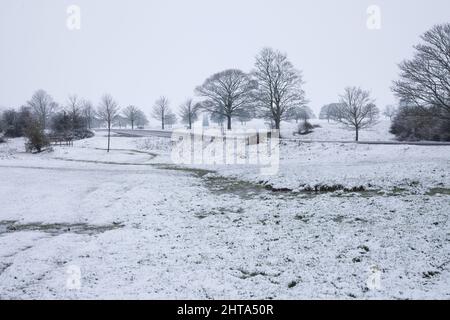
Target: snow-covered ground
129, 224
335, 131
326, 131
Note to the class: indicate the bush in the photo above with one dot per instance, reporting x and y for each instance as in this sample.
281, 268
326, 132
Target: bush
304, 128
413, 123
14, 122
36, 138
64, 125
82, 134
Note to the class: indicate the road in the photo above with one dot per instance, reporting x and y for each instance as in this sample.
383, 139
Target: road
168, 134
140, 133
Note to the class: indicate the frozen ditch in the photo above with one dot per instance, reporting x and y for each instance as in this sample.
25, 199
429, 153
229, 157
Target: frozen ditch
225, 185
56, 228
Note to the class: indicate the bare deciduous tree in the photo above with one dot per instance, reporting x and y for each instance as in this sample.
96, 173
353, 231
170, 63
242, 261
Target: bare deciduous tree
279, 86
189, 112
141, 118
170, 119
227, 93
131, 113
107, 111
425, 79
161, 109
74, 110
43, 106
357, 110
301, 113
329, 112
88, 112
390, 111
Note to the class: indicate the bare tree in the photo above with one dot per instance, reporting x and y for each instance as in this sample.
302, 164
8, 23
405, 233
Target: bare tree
227, 93
43, 106
425, 79
357, 110
141, 118
329, 112
131, 113
108, 111
390, 111
161, 109
88, 112
301, 113
246, 115
279, 86
170, 119
189, 112
74, 110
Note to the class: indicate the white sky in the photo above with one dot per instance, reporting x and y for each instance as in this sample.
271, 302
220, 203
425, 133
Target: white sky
139, 50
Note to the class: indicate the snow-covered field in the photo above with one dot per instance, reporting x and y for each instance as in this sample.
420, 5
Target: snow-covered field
335, 131
326, 130
81, 223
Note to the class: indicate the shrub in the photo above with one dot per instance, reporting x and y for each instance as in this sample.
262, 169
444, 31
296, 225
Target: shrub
82, 134
304, 128
14, 122
413, 123
36, 138
64, 125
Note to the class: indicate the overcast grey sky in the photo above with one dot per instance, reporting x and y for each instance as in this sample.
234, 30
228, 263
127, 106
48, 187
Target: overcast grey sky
139, 50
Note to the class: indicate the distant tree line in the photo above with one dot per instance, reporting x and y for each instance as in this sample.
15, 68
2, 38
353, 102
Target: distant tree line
42, 119
271, 91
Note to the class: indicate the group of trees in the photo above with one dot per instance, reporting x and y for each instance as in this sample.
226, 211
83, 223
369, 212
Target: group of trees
135, 116
424, 89
42, 117
272, 91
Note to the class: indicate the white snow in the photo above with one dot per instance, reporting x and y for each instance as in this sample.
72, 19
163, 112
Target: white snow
137, 228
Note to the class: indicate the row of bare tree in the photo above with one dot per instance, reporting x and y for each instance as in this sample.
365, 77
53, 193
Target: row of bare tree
423, 91
74, 116
272, 90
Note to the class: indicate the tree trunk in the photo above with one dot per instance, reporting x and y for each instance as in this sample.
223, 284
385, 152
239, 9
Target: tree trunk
229, 122
357, 134
109, 135
162, 123
277, 124
132, 125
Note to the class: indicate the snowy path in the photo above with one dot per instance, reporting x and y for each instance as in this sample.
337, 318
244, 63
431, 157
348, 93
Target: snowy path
138, 229
168, 134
